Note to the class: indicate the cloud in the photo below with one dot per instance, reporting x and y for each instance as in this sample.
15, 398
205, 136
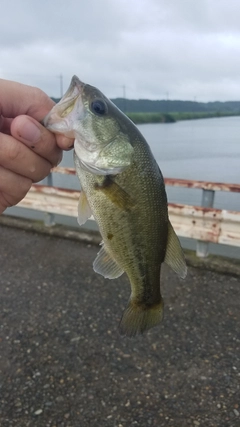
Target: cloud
152, 47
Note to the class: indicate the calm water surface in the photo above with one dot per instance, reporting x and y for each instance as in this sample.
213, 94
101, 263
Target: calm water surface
206, 149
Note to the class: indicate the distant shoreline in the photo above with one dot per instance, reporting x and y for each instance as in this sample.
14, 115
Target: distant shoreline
144, 118
148, 111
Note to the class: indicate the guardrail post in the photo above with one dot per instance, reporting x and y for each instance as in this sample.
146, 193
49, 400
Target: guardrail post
207, 202
49, 217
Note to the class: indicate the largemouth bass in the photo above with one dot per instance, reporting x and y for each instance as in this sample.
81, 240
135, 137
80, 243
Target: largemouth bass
123, 188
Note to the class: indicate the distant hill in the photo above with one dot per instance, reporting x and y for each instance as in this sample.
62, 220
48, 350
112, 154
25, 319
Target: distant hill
171, 106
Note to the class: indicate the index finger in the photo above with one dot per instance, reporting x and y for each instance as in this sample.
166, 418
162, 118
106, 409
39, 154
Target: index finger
17, 98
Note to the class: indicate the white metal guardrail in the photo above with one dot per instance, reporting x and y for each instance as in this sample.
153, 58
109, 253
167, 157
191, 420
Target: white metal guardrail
203, 223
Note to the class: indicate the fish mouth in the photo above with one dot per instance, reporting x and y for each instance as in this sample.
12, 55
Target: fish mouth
69, 109
75, 89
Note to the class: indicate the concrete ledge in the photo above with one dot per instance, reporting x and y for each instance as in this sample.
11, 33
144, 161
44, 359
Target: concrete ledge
58, 230
214, 263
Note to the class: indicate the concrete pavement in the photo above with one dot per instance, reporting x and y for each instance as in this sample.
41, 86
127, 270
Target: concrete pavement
63, 363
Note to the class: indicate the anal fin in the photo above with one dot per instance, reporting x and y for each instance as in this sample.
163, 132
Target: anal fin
174, 254
105, 265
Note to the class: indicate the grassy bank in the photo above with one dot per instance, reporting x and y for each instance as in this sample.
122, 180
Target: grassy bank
206, 115
141, 118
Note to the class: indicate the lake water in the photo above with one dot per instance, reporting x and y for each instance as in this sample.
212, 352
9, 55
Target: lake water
206, 149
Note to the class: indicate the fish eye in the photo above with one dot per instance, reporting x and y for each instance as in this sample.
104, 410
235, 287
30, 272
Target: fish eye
99, 107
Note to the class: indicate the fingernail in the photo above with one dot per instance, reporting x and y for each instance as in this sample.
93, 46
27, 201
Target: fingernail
30, 132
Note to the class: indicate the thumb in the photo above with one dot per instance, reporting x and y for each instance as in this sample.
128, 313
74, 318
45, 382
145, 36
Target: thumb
37, 137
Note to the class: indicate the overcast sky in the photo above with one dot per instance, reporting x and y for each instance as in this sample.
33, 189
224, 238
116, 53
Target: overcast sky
180, 49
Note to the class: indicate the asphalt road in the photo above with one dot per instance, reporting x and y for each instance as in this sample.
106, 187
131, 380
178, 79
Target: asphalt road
63, 363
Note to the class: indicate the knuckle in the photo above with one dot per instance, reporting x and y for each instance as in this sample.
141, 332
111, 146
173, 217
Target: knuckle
56, 157
38, 94
42, 173
59, 159
14, 152
11, 196
39, 98
10, 151
25, 187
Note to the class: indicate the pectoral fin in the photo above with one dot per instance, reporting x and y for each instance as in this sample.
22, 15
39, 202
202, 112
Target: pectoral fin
84, 211
97, 170
105, 265
115, 193
174, 254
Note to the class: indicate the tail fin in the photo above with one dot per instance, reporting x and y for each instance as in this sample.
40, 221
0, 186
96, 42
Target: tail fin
138, 318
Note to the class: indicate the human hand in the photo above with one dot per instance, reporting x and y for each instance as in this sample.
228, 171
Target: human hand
28, 150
